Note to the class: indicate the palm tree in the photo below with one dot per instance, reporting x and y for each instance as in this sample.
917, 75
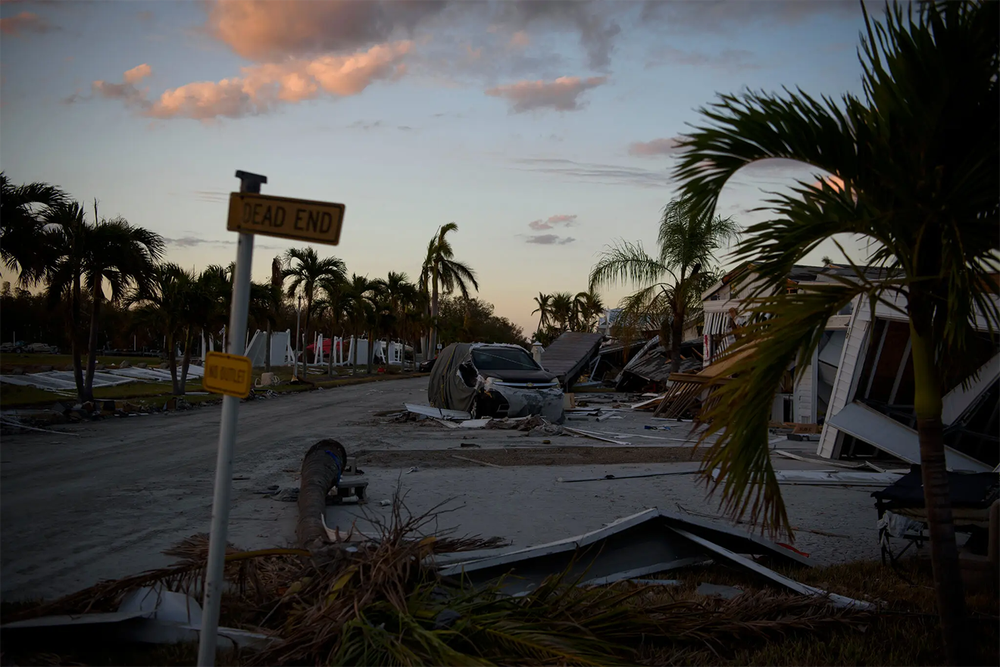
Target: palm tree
306, 270
163, 306
916, 162
442, 273
123, 255
562, 309
22, 228
85, 255
274, 305
667, 282
357, 306
400, 295
333, 288
587, 309
544, 310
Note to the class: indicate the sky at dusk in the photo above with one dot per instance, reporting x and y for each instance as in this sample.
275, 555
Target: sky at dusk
545, 129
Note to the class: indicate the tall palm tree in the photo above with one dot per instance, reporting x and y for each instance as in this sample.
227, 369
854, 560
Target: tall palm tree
917, 161
562, 309
122, 255
587, 309
22, 228
544, 310
669, 280
442, 273
306, 270
87, 255
400, 295
163, 306
357, 306
333, 289
274, 305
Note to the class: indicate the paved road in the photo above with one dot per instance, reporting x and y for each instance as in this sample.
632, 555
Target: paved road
105, 502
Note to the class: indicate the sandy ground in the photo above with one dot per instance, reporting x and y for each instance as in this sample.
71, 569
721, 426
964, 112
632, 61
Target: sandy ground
105, 498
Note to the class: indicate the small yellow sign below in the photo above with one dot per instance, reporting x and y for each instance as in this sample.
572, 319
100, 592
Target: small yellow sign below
228, 374
298, 219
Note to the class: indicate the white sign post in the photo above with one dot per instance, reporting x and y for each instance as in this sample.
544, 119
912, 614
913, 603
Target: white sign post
250, 213
214, 572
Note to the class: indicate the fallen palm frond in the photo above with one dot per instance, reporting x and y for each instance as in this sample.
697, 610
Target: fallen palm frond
380, 601
253, 573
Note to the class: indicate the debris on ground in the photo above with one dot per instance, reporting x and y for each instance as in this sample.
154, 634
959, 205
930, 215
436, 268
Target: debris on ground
372, 600
715, 590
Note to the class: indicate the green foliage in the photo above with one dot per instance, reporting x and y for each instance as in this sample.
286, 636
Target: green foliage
473, 320
916, 164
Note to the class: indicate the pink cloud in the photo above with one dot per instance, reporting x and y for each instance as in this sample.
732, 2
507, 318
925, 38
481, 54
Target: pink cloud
654, 147
137, 74
260, 88
561, 94
262, 29
23, 23
553, 221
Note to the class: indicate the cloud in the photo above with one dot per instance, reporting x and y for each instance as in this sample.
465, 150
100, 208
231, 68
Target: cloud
655, 147
144, 16
192, 241
552, 221
562, 94
261, 88
126, 91
362, 125
732, 60
590, 172
550, 239
265, 30
24, 23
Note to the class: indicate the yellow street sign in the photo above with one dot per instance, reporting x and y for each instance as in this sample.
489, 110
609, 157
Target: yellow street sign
299, 219
228, 374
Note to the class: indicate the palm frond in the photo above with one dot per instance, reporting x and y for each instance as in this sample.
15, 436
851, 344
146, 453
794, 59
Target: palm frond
782, 331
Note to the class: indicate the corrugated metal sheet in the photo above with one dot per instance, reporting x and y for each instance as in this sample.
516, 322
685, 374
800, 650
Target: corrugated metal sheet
570, 354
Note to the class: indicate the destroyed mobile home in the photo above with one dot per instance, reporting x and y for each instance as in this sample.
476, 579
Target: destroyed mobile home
494, 380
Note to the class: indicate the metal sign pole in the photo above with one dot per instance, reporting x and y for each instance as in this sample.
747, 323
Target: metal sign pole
214, 573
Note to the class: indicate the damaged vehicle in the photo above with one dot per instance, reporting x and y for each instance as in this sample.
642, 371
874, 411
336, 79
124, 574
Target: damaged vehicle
494, 380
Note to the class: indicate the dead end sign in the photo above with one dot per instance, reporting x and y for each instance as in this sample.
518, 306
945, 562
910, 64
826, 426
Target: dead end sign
299, 219
228, 374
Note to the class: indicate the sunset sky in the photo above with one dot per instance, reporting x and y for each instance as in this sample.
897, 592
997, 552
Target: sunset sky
544, 128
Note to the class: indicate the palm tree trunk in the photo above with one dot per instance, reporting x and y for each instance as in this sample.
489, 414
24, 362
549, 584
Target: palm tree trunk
75, 300
937, 503
432, 344
185, 361
267, 351
170, 361
95, 309
371, 350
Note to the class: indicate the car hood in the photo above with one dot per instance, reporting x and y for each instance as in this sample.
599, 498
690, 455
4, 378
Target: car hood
525, 375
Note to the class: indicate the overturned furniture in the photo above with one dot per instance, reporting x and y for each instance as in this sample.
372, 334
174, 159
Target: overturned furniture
902, 514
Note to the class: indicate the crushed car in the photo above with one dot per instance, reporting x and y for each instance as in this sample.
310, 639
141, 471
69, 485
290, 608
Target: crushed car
494, 380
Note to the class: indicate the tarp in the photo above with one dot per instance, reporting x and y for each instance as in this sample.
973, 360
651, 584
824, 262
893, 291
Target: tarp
446, 388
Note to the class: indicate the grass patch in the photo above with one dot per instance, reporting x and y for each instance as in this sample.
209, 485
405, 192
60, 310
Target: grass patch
31, 362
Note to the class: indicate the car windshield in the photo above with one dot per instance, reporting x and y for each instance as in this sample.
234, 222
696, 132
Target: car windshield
503, 359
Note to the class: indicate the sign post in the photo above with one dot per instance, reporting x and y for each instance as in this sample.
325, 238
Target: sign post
214, 575
230, 374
